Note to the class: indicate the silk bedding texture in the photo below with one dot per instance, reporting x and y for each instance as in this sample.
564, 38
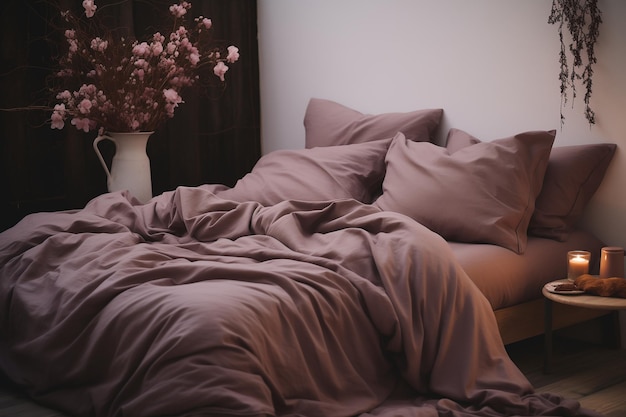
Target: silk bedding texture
193, 305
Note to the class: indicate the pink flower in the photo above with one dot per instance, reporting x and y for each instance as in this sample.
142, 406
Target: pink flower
220, 69
81, 123
57, 121
171, 48
167, 64
194, 57
157, 48
184, 44
179, 35
60, 109
157, 37
87, 89
172, 96
141, 49
64, 95
141, 63
58, 116
84, 106
172, 100
90, 7
233, 54
73, 45
204, 22
99, 45
179, 10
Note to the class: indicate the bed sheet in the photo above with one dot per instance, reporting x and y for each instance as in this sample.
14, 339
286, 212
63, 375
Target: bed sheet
507, 278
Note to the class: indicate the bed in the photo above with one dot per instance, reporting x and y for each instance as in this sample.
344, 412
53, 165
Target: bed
327, 282
512, 282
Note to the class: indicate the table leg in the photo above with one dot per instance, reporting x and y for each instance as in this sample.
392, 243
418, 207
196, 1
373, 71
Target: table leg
547, 359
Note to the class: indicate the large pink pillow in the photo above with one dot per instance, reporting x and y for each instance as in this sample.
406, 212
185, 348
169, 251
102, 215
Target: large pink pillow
328, 123
334, 172
481, 193
573, 175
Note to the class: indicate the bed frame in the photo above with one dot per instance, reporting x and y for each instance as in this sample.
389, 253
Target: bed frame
526, 320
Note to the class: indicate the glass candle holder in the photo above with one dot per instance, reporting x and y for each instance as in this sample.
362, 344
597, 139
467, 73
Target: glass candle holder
577, 263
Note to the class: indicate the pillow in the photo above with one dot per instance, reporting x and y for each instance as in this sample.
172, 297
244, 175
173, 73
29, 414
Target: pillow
460, 140
573, 175
482, 193
334, 172
327, 123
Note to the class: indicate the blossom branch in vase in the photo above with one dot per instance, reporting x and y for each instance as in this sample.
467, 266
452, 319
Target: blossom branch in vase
120, 84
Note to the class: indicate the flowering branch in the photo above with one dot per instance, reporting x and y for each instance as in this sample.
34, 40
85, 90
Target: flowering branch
582, 19
120, 84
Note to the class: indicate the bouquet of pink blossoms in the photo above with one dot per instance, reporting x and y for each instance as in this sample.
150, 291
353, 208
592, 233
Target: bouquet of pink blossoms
120, 84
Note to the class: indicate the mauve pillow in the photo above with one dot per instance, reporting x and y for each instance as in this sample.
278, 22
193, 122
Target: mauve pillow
328, 123
481, 193
460, 140
329, 173
573, 175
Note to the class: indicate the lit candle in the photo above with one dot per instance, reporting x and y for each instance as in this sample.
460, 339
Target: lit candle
578, 264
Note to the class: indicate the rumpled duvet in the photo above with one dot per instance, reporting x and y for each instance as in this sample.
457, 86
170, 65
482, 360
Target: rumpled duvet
193, 305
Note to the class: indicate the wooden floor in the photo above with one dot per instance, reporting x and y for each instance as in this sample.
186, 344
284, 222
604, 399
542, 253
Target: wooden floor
590, 373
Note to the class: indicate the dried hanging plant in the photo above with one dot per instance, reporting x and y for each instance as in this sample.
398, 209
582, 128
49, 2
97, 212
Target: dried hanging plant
581, 19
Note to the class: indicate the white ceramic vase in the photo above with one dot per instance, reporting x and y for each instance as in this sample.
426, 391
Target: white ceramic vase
130, 167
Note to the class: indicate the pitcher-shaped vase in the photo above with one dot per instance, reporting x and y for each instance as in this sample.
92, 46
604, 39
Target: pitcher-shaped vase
130, 167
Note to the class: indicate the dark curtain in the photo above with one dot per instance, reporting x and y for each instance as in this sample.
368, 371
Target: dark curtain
213, 138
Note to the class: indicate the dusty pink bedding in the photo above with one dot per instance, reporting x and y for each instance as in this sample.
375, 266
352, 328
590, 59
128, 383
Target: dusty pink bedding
507, 278
192, 305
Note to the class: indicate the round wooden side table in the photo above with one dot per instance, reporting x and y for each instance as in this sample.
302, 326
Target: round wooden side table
577, 300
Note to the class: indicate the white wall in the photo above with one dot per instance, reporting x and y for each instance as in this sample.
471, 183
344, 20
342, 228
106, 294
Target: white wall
478, 60
492, 66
